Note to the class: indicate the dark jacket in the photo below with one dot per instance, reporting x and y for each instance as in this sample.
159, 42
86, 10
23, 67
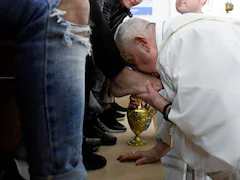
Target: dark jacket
114, 13
107, 55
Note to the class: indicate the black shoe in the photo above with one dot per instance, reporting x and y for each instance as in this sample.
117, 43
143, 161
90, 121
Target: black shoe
119, 116
106, 138
21, 153
93, 141
91, 144
11, 172
118, 108
93, 161
108, 120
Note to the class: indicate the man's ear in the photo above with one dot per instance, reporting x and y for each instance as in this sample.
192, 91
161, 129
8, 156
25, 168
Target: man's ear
143, 42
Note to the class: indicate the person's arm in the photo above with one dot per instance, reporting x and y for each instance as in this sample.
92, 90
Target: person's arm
107, 9
155, 99
161, 104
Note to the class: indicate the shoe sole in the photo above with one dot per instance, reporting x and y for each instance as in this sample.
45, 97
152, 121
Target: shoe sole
120, 119
121, 112
119, 109
107, 143
112, 130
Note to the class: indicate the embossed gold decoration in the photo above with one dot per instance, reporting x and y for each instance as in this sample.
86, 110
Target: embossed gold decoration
137, 119
229, 7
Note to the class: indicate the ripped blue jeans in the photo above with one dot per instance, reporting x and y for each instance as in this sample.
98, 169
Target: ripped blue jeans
50, 85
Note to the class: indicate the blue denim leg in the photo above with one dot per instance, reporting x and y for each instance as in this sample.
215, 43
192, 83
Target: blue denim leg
50, 71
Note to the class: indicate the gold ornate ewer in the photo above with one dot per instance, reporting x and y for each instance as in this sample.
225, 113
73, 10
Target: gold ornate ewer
138, 119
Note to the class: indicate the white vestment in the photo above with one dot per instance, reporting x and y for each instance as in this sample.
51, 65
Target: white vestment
199, 65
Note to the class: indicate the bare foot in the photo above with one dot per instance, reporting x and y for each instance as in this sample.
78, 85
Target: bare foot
132, 82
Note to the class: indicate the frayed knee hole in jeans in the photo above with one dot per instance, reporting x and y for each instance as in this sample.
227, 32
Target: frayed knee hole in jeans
74, 32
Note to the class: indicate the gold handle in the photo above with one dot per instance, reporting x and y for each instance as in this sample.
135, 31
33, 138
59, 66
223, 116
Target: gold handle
139, 100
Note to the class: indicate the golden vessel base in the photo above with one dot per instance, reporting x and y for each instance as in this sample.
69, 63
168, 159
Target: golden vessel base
140, 142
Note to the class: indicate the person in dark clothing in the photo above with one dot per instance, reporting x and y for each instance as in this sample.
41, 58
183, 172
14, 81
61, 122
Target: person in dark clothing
99, 98
114, 11
95, 125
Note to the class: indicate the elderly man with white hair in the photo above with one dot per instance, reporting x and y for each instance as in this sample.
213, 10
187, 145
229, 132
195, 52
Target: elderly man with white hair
197, 58
174, 167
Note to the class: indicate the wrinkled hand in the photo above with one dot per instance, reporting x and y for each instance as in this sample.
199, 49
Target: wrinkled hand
152, 97
145, 157
133, 104
141, 157
132, 82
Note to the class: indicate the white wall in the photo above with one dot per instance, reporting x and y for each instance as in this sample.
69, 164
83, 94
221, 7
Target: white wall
161, 11
165, 9
173, 11
218, 7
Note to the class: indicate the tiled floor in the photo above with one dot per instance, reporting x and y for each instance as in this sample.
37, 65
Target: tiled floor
115, 170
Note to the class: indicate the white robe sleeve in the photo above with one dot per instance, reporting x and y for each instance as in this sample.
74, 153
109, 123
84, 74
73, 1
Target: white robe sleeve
164, 127
164, 131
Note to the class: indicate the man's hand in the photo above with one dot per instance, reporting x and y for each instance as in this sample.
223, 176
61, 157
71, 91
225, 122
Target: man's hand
145, 157
132, 82
153, 97
133, 104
